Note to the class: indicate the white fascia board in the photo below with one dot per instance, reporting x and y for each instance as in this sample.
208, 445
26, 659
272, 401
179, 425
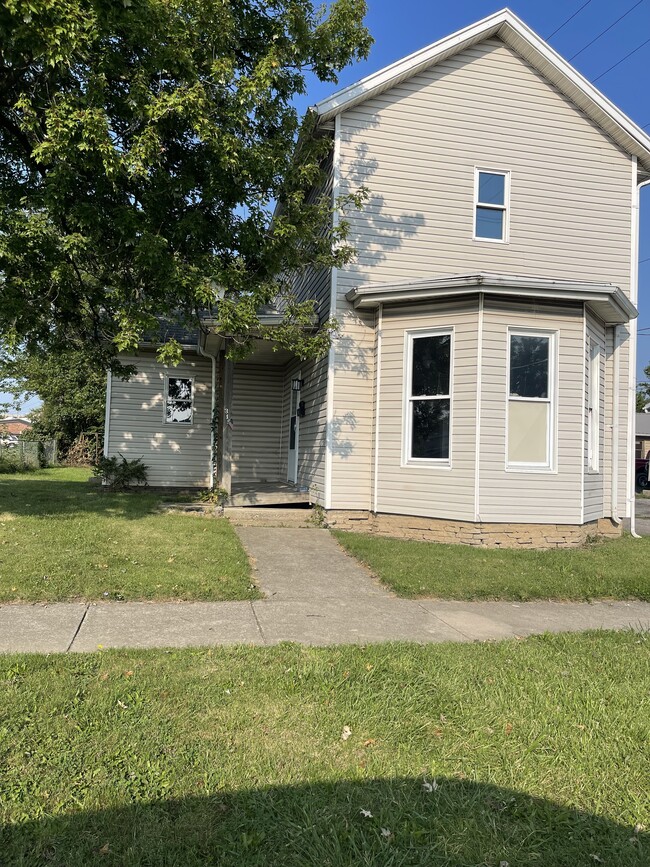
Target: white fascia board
407, 66
607, 300
515, 33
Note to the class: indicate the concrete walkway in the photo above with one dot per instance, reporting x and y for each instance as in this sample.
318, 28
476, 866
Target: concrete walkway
316, 594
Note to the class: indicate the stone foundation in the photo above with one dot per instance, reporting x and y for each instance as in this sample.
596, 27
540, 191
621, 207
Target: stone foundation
486, 535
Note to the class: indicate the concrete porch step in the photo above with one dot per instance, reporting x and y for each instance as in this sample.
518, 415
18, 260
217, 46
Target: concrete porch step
266, 494
269, 517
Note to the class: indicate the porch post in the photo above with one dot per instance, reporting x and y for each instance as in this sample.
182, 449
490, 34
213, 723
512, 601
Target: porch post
225, 421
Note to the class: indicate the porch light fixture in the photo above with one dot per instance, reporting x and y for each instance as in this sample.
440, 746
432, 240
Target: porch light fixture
296, 384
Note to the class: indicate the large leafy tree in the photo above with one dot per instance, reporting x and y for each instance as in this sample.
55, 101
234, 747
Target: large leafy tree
143, 146
643, 392
71, 385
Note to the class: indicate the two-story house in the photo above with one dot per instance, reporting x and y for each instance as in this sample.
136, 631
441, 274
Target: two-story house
481, 388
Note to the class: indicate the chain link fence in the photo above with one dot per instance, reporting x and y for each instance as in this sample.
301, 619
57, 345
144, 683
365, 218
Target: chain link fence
27, 453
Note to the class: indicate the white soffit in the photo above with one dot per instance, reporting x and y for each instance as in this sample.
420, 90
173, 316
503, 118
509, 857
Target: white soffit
525, 42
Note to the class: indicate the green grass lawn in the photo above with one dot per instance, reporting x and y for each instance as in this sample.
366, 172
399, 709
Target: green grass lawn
618, 569
61, 538
527, 752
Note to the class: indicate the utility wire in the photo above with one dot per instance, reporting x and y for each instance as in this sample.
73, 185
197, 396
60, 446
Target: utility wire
606, 30
618, 62
570, 18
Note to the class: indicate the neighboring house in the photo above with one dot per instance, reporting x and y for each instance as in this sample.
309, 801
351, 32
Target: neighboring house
642, 435
12, 427
481, 388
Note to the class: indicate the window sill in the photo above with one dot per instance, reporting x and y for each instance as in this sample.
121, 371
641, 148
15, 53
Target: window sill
492, 240
424, 464
549, 471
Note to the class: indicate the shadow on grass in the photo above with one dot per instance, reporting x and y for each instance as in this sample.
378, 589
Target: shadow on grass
51, 497
459, 824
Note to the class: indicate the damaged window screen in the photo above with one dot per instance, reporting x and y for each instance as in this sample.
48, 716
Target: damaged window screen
178, 406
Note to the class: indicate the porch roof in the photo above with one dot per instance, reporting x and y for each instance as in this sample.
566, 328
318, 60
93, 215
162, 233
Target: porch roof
607, 301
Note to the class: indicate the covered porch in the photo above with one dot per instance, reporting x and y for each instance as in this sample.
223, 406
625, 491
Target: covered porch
256, 421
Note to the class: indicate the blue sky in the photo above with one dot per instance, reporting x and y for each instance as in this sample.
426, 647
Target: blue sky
402, 27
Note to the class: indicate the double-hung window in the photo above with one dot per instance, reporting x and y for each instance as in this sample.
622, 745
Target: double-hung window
531, 400
179, 399
427, 425
491, 205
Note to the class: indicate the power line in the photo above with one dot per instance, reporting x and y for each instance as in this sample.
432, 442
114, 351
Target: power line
607, 29
570, 18
618, 62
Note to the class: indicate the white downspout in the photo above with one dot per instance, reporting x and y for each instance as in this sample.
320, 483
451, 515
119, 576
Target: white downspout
616, 397
213, 360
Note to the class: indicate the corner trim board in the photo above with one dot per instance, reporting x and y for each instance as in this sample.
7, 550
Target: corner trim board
107, 411
331, 359
377, 400
477, 430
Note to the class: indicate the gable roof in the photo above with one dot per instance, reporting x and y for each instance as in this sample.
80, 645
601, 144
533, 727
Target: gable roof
513, 32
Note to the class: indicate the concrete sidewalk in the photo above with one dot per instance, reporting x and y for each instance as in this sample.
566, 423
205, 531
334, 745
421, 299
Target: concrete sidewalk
316, 594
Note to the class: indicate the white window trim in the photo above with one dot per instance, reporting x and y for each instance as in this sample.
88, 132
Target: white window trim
169, 376
593, 408
549, 466
505, 207
407, 397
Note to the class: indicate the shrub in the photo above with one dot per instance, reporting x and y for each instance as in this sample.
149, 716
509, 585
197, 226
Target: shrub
120, 474
12, 462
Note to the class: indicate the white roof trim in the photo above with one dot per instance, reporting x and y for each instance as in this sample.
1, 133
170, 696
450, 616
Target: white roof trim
607, 301
512, 30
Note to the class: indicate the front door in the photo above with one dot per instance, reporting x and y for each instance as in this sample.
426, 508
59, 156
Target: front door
294, 429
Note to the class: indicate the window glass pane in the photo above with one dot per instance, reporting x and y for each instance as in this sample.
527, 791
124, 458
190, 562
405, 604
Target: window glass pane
489, 223
431, 358
491, 189
528, 366
179, 411
430, 429
179, 389
527, 432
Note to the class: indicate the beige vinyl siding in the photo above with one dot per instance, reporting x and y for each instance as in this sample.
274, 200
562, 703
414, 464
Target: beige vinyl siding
524, 495
431, 491
625, 455
352, 422
176, 454
257, 421
312, 427
624, 461
416, 147
594, 505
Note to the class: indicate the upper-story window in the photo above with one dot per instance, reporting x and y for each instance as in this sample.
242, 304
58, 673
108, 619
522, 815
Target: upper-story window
491, 205
179, 399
